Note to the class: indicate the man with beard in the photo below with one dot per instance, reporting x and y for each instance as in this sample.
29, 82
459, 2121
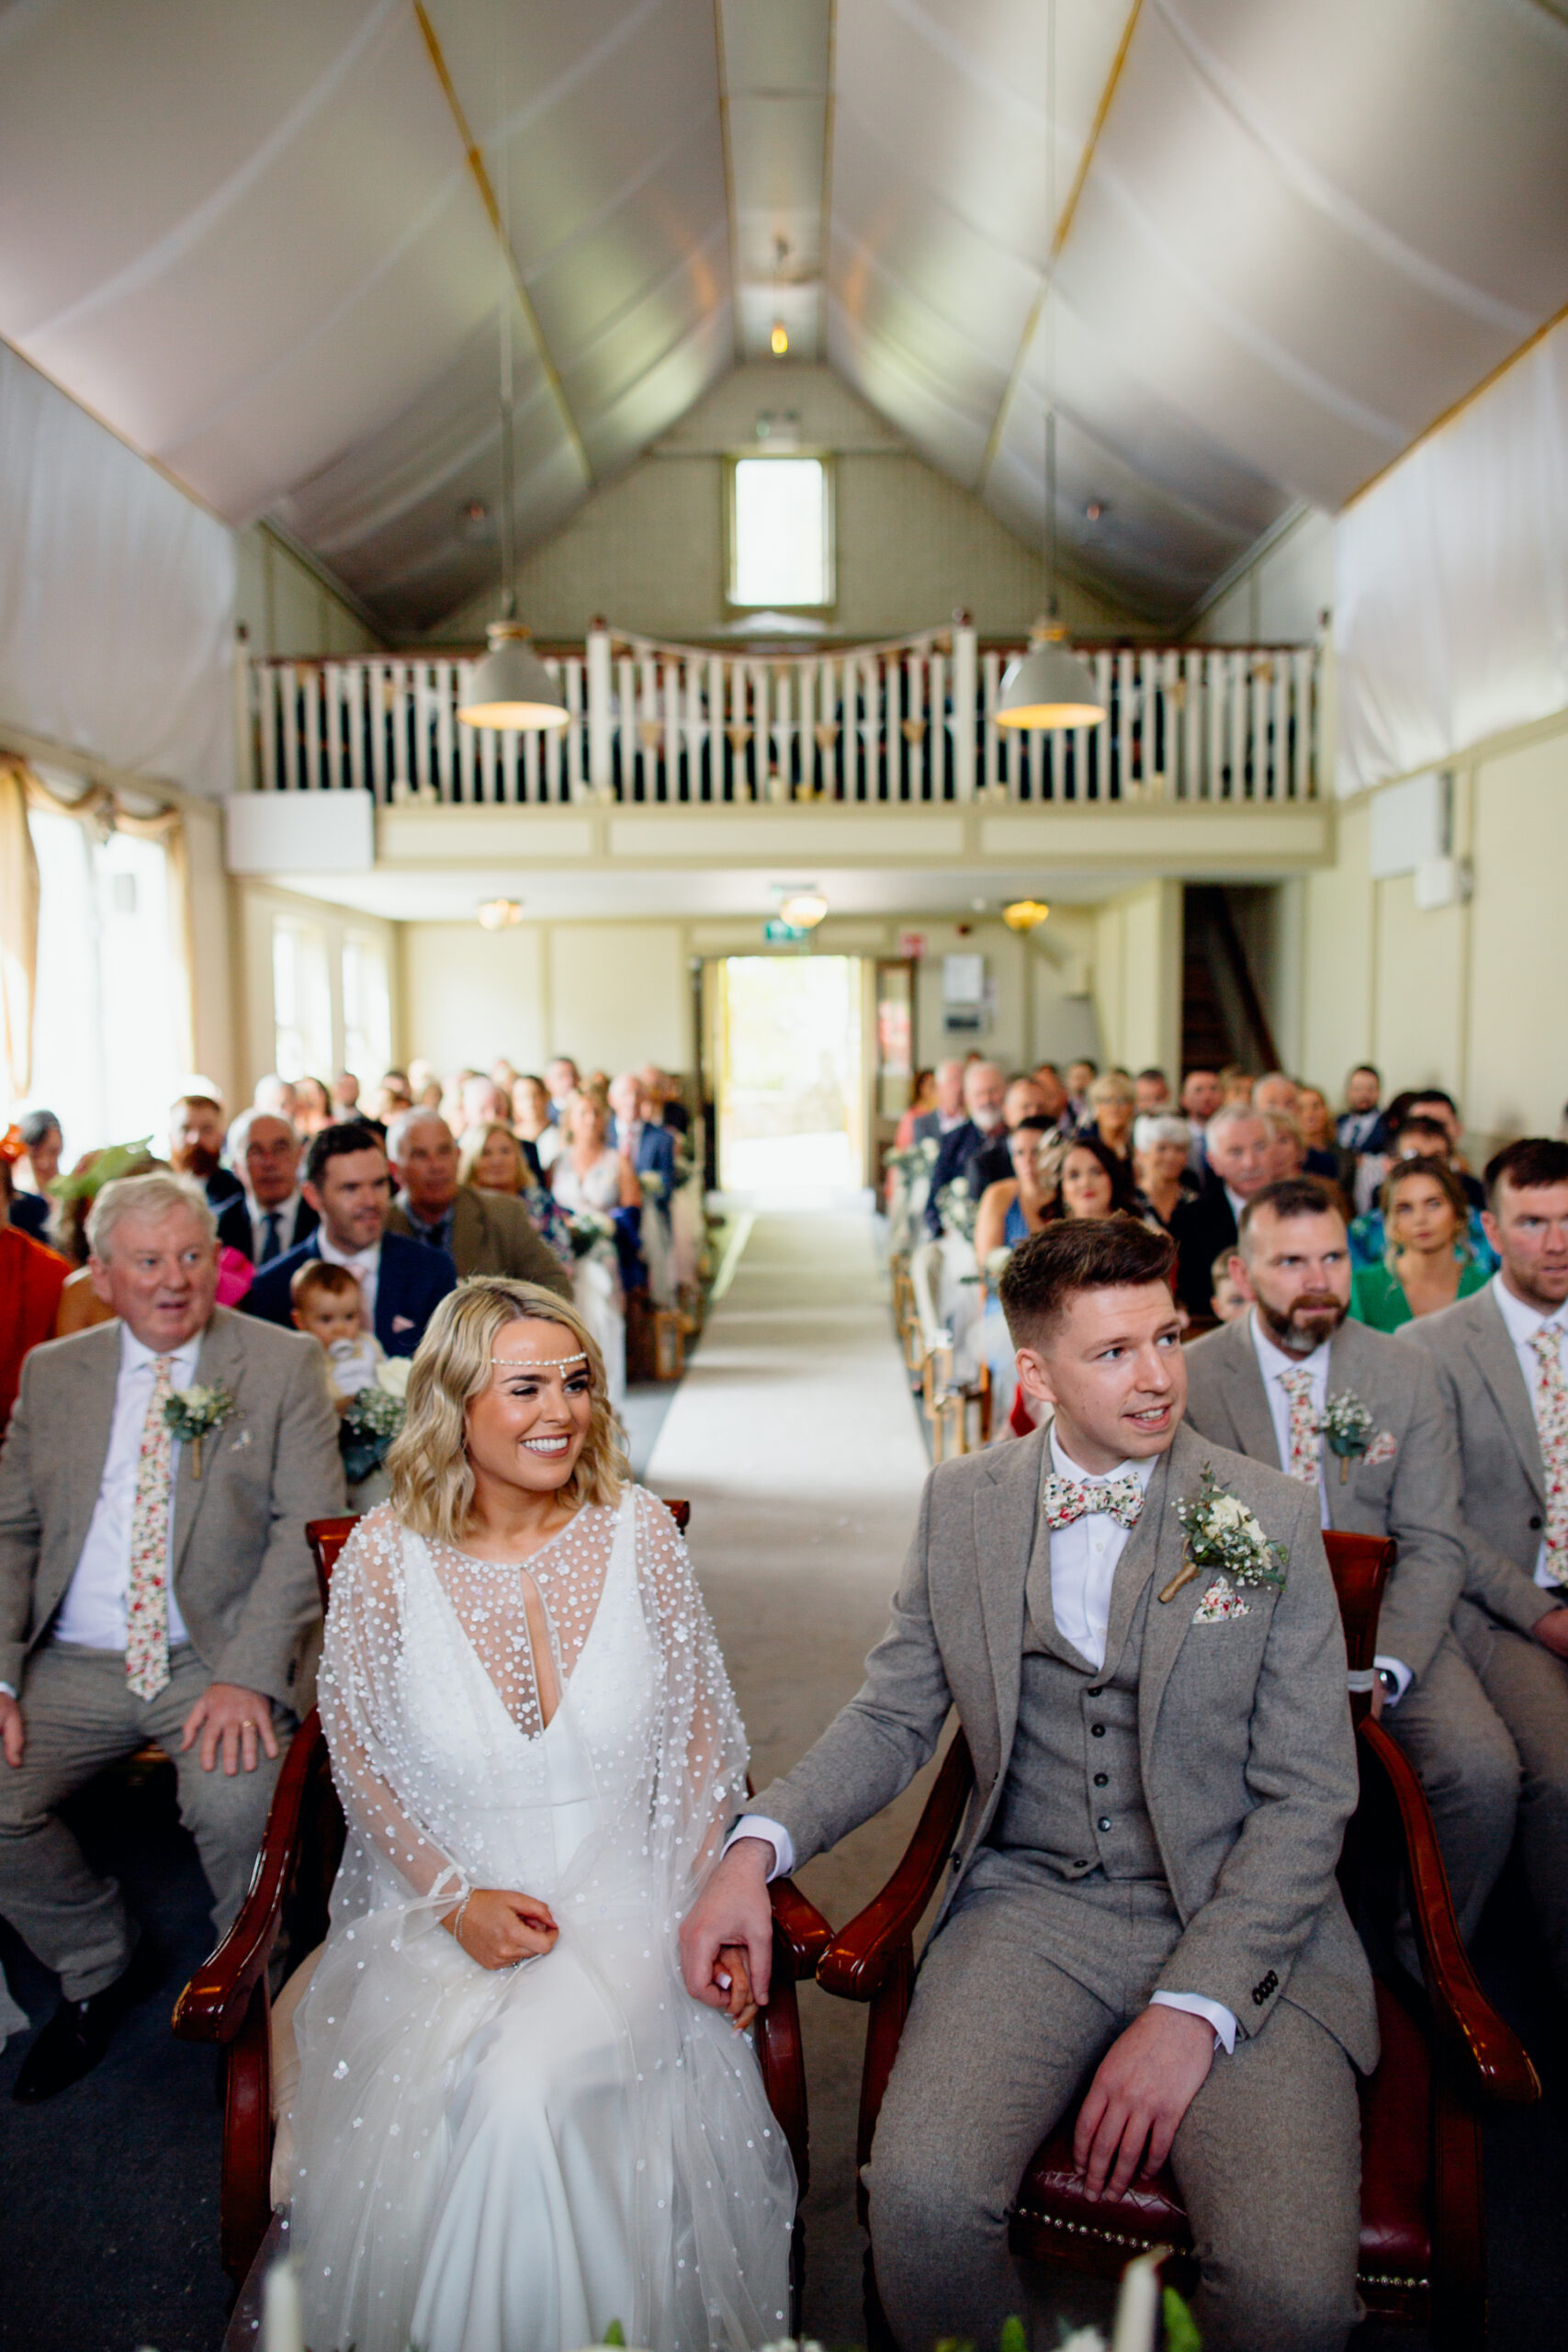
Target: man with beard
1261, 1385
196, 1148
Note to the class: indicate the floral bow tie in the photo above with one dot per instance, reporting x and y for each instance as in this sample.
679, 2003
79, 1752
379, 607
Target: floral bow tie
1065, 1500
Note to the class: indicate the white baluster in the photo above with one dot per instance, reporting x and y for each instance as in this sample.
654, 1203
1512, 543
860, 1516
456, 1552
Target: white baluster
601, 755
533, 778
310, 693
446, 725
263, 678
965, 682
1303, 764
626, 696
990, 747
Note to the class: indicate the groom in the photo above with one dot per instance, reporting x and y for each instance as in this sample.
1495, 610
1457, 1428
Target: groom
1143, 1899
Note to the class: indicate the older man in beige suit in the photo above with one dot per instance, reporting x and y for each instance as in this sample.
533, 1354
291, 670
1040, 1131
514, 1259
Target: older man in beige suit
1144, 1894
153, 1587
1262, 1385
482, 1233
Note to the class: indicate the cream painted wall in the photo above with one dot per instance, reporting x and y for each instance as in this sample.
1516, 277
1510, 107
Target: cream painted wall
1518, 975
612, 995
285, 607
254, 905
1137, 976
647, 549
1281, 596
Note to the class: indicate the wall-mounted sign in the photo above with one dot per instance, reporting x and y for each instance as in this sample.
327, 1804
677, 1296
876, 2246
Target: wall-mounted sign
912, 944
783, 934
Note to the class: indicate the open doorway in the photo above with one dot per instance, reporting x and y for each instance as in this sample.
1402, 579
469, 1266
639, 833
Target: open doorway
788, 1037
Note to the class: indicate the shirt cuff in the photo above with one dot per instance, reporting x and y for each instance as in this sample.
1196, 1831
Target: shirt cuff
8, 1690
757, 1825
1397, 1668
1215, 2012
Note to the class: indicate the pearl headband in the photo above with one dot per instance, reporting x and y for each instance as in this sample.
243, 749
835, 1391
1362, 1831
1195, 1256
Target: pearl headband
547, 1363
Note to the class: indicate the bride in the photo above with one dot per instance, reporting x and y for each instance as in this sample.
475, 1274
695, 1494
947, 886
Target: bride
514, 2124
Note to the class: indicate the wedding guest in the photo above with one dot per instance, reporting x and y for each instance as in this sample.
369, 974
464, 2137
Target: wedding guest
1325, 1155
1201, 1095
532, 1121
591, 1178
1499, 1360
1286, 1150
328, 1305
152, 1587
1052, 1096
503, 1076
1413, 1138
1361, 1125
278, 1095
1228, 1302
32, 1211
991, 1164
312, 1107
1275, 1091
1428, 1262
348, 1184
394, 1094
1263, 1387
666, 1108
1021, 1203
493, 1160
922, 1099
345, 1095
271, 1216
948, 1109
425, 1089
1431, 1102
1236, 1085
1160, 1145
1081, 1076
1152, 1909
984, 1092
481, 1233
561, 1082
1237, 1142
31, 1280
480, 1101
650, 1150
1152, 1091
195, 1146
1111, 1103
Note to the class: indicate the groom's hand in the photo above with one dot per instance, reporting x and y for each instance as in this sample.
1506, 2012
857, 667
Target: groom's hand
1143, 2085
733, 1909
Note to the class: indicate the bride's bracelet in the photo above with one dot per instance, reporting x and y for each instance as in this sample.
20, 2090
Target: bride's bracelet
456, 1921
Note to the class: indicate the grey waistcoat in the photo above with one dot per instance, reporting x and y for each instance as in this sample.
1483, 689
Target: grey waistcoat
1073, 1794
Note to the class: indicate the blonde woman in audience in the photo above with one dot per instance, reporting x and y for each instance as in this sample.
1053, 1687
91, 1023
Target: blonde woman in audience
590, 1180
1161, 1142
1111, 1103
533, 1120
490, 1158
1428, 1262
513, 2125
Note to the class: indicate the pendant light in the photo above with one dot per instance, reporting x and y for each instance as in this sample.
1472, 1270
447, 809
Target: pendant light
511, 687
1049, 686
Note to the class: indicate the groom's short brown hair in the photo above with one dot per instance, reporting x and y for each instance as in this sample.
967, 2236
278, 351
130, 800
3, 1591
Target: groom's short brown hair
1077, 1253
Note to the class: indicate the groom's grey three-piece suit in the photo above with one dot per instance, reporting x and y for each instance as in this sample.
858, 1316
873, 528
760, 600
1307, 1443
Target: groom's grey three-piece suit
1169, 1820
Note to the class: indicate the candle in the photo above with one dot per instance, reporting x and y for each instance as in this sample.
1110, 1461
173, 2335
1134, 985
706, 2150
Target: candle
1137, 2306
283, 2328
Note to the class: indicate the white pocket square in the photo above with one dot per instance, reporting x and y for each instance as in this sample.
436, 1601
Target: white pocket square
235, 1444
402, 1322
1221, 1600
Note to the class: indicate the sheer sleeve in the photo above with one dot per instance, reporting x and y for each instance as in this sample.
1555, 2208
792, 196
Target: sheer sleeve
360, 1714
701, 1781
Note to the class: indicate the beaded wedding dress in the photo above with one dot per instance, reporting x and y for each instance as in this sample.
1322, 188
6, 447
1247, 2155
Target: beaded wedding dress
506, 2161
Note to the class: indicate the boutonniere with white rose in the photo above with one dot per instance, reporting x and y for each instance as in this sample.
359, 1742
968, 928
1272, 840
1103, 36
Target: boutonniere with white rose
1223, 1534
194, 1413
1346, 1425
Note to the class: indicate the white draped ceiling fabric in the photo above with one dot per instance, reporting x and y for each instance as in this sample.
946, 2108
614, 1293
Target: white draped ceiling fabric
265, 244
1451, 602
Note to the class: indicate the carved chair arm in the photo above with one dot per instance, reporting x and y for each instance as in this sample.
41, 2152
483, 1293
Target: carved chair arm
802, 1926
857, 1961
213, 2004
1491, 2061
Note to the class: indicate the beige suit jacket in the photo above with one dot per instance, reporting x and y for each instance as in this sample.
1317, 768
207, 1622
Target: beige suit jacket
494, 1235
242, 1575
1247, 1755
1502, 1476
1413, 1496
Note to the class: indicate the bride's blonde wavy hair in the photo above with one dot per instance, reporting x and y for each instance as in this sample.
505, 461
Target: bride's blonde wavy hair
433, 1484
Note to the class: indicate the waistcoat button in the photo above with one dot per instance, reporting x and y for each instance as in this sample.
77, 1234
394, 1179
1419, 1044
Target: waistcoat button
1104, 1821
1101, 1778
1097, 1731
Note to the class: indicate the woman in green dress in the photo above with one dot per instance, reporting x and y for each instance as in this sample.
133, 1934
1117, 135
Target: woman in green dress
1428, 1262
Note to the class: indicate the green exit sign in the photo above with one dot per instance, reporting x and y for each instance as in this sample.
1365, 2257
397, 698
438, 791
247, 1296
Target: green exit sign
783, 934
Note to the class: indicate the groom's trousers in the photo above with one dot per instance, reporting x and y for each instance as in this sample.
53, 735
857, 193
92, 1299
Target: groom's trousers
1026, 1985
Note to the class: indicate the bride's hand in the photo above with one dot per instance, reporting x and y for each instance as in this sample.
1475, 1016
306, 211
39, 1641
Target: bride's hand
499, 1929
742, 2001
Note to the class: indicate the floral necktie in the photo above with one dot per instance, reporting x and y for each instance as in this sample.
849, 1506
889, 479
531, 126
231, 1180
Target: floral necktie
147, 1595
1303, 1463
1065, 1500
1551, 1426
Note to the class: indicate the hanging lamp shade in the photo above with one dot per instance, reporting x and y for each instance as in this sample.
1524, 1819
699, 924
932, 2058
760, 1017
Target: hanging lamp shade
1048, 686
511, 686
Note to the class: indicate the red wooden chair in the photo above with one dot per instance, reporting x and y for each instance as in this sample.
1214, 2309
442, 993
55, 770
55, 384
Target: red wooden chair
228, 2001
1422, 2247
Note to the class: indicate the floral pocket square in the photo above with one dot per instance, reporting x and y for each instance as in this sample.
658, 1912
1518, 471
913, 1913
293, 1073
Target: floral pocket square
235, 1444
402, 1322
1383, 1448
1221, 1600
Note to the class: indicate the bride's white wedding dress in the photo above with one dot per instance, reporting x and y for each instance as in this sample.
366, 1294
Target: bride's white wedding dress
596, 1276
506, 2161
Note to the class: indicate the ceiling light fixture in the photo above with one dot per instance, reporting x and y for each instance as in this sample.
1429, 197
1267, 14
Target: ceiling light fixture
804, 908
1049, 686
511, 687
778, 341
499, 914
1025, 914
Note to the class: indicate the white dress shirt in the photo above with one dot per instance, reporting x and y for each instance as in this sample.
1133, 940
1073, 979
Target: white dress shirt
1523, 1322
1084, 1559
93, 1612
285, 1211
365, 1265
1238, 1205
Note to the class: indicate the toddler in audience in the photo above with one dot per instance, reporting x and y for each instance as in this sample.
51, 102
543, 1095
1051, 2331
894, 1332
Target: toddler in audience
329, 1308
1227, 1301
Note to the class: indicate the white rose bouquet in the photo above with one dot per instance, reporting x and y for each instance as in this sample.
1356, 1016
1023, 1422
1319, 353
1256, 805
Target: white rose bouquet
371, 1420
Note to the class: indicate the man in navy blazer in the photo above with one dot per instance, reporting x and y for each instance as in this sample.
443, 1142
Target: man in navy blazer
651, 1149
349, 1185
984, 1092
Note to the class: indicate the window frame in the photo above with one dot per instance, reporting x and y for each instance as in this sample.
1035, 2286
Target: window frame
822, 458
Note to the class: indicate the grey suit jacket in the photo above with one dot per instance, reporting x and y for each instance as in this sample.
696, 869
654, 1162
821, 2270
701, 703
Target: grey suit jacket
242, 1575
1413, 1496
494, 1235
1502, 1477
1247, 1751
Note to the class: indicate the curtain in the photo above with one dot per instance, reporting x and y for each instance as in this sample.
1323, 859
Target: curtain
18, 926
